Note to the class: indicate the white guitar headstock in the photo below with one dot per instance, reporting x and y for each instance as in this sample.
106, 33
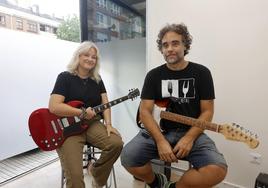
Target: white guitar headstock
238, 133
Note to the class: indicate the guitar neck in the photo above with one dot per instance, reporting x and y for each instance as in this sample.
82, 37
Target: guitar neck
103, 107
189, 121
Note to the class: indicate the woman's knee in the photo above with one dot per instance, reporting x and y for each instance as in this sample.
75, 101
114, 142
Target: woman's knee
116, 144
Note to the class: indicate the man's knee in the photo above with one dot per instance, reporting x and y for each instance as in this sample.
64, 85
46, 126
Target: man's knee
215, 173
222, 172
125, 156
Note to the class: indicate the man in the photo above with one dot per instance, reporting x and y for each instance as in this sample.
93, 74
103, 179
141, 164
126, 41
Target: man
189, 86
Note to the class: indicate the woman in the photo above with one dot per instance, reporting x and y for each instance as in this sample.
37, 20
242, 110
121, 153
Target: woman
82, 82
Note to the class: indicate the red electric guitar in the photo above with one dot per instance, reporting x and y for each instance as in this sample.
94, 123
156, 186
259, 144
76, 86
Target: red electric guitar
232, 132
50, 131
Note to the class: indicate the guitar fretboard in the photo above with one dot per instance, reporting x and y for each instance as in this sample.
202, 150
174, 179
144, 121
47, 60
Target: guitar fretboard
189, 121
103, 107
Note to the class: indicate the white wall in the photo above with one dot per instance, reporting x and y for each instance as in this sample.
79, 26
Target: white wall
29, 66
124, 68
230, 37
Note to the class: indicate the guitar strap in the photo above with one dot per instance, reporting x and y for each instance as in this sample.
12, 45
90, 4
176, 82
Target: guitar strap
138, 121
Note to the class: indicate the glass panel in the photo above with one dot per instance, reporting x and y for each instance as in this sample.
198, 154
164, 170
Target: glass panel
112, 20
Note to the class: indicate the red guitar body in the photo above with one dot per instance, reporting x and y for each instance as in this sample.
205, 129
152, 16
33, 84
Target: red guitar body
49, 131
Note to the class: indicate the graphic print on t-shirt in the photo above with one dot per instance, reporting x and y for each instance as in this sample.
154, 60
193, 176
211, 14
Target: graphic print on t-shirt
181, 89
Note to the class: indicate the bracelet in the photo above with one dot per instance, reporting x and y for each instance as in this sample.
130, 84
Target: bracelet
83, 113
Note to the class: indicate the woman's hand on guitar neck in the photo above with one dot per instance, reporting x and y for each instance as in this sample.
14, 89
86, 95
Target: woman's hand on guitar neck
90, 113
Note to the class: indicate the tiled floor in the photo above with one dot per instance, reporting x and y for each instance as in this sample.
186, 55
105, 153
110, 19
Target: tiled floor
24, 163
42, 170
50, 177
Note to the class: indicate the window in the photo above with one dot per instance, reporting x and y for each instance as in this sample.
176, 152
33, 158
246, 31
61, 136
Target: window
114, 25
115, 9
42, 27
137, 25
32, 27
2, 20
54, 30
102, 3
19, 24
101, 19
117, 20
48, 29
101, 37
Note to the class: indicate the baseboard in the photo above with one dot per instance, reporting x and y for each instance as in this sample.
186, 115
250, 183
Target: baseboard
226, 184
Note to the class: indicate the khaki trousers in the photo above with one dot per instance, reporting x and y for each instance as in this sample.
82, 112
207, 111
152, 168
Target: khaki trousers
71, 154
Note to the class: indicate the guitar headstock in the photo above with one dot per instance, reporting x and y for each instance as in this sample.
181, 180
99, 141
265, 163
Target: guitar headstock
238, 133
133, 93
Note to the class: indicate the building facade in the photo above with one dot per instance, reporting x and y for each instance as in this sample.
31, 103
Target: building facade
110, 20
27, 20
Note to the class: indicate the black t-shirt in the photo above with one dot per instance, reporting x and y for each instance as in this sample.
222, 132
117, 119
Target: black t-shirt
188, 86
72, 87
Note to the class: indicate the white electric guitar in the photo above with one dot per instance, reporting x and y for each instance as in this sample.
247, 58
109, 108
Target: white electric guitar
232, 132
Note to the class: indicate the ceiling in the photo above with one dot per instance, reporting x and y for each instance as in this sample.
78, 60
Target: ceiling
138, 5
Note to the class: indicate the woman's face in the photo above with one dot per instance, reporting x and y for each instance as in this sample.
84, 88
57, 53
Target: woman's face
88, 60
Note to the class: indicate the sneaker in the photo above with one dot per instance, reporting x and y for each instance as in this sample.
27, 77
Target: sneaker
169, 183
162, 180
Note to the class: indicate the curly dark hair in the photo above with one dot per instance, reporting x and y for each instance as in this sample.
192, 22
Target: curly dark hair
181, 29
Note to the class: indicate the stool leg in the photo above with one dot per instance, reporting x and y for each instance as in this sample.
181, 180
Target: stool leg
62, 178
111, 179
113, 172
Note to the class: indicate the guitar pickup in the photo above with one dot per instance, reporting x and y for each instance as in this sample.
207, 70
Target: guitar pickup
65, 122
76, 119
54, 127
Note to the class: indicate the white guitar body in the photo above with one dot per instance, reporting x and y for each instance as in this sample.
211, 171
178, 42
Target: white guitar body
156, 114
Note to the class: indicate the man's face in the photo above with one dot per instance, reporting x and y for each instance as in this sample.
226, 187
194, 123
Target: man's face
172, 47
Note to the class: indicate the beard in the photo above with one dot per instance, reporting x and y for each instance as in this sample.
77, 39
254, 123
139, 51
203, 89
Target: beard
173, 59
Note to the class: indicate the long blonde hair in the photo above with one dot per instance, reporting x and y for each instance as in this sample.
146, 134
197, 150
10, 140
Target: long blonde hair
74, 62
